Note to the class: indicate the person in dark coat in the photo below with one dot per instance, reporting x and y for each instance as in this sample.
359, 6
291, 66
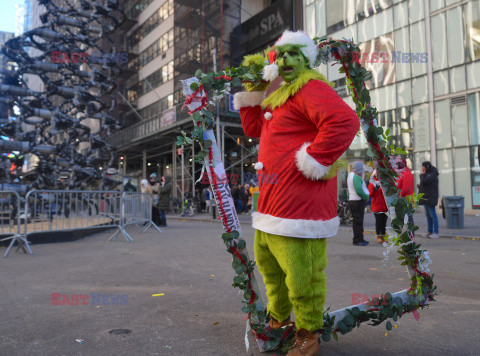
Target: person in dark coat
429, 188
164, 200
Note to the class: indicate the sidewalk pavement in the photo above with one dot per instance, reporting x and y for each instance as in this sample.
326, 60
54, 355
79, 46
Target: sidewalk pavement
471, 229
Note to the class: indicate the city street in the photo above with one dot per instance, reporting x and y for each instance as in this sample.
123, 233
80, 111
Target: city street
196, 311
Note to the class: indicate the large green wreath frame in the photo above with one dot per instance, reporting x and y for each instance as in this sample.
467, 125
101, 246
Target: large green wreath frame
388, 306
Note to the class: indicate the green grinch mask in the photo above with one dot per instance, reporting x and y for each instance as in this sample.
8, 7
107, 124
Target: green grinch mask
290, 61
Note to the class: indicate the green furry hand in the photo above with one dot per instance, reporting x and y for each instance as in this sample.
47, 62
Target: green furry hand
253, 78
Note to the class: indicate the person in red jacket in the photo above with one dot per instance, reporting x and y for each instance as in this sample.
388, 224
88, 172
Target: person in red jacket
379, 207
405, 182
304, 128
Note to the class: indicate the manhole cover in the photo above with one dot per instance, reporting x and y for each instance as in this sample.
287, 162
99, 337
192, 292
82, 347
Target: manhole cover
120, 331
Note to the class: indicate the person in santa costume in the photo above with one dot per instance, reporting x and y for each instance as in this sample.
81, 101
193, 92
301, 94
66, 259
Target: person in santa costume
304, 128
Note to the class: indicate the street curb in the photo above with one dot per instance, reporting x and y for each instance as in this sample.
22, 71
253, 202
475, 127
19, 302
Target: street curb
473, 238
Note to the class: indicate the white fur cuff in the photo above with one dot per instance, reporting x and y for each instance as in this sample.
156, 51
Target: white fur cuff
308, 165
306, 229
247, 98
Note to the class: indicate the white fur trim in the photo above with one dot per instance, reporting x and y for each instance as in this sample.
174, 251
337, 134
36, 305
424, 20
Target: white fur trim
268, 115
258, 166
247, 98
308, 165
270, 72
307, 229
300, 38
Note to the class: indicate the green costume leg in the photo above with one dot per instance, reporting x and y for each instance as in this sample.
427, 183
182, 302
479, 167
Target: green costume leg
279, 306
302, 262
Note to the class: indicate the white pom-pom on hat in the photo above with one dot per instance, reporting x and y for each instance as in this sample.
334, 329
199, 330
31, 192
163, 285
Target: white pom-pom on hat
258, 166
268, 115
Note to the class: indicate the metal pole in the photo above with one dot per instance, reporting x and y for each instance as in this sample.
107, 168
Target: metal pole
193, 169
431, 113
241, 165
144, 160
183, 177
222, 152
174, 170
216, 101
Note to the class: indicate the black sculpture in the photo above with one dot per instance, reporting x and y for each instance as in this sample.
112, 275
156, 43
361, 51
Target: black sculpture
51, 123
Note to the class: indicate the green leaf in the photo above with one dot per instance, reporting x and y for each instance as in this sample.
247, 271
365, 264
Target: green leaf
389, 325
325, 337
198, 73
335, 336
242, 244
194, 86
234, 234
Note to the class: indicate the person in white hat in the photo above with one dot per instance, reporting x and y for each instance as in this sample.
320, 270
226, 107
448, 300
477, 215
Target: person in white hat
304, 128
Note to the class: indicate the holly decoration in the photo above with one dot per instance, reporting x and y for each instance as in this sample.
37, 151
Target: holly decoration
422, 289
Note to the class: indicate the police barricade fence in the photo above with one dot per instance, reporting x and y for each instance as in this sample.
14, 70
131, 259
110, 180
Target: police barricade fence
137, 210
10, 225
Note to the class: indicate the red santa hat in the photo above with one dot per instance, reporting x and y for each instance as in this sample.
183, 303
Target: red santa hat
309, 50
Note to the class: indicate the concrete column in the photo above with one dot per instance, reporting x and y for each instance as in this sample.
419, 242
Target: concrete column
431, 108
144, 165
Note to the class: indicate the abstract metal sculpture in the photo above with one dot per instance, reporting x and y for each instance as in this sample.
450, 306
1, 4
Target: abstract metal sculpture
65, 123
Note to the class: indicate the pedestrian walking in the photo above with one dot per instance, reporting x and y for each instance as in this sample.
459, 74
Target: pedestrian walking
358, 197
379, 207
164, 199
155, 190
208, 199
429, 188
405, 183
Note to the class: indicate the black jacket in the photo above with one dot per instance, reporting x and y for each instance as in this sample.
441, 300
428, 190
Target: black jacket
429, 187
165, 191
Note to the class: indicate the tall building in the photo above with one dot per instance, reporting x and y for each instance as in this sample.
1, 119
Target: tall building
424, 57
4, 65
170, 41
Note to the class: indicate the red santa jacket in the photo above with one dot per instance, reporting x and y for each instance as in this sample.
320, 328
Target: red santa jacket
299, 141
406, 183
378, 200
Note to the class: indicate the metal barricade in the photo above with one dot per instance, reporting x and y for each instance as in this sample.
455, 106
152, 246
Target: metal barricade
10, 221
64, 210
137, 210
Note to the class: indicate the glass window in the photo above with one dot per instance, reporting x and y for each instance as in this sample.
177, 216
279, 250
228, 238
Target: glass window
419, 158
421, 135
475, 169
402, 45
461, 161
436, 4
473, 75
418, 46
419, 90
460, 125
400, 15
442, 124
404, 93
440, 83
375, 58
341, 13
367, 8
457, 79
474, 109
455, 36
321, 26
416, 10
310, 20
439, 41
445, 168
472, 20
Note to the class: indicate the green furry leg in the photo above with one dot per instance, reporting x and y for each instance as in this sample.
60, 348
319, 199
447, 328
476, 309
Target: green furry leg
293, 273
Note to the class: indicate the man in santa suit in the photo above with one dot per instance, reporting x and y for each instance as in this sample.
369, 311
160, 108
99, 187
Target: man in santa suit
304, 127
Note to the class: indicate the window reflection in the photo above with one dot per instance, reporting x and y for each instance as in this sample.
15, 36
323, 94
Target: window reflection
473, 29
375, 56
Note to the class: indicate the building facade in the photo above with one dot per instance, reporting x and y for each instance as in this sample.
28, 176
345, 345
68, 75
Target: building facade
424, 57
170, 40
